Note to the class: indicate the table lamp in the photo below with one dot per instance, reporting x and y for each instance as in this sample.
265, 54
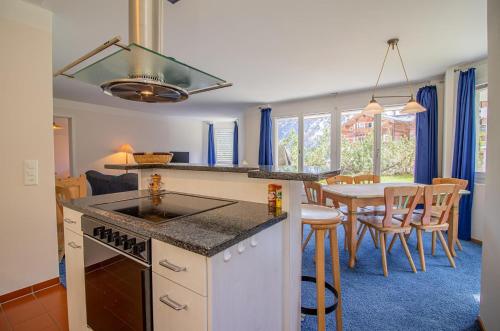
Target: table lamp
126, 148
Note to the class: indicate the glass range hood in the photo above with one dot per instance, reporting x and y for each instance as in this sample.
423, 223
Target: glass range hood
120, 73
139, 72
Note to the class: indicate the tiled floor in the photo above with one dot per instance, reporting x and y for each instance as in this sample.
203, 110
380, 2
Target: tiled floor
45, 310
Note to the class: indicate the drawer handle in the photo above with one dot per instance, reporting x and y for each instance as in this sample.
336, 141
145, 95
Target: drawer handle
171, 266
72, 244
171, 303
69, 221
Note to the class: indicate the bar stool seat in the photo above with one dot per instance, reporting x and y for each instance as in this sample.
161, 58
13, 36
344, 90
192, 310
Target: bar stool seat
318, 215
322, 220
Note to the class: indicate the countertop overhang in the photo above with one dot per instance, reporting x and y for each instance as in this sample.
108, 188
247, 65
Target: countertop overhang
262, 172
206, 233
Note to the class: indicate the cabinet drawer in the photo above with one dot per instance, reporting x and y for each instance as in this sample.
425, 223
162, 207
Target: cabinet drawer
180, 266
176, 308
75, 281
72, 220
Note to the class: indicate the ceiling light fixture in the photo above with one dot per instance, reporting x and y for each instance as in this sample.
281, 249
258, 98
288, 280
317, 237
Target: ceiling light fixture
411, 107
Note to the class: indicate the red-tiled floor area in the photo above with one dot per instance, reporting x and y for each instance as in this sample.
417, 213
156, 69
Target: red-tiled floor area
45, 310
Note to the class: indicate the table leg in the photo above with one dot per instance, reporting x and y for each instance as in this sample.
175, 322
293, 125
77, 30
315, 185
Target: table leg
453, 228
352, 221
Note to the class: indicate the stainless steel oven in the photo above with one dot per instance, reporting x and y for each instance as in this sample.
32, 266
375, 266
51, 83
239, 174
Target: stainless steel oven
117, 278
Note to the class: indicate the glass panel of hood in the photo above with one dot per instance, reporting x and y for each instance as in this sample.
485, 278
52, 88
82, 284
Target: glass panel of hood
143, 62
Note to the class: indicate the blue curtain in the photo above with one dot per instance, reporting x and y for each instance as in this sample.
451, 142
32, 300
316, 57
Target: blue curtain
266, 143
211, 144
426, 156
235, 143
464, 155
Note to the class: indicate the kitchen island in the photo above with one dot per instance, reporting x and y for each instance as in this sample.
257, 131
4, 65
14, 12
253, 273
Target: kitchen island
248, 260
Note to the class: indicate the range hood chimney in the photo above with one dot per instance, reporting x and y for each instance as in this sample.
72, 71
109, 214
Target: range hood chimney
139, 71
145, 23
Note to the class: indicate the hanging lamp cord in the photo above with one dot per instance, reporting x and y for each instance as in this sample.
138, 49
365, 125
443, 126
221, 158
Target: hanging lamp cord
410, 87
380, 73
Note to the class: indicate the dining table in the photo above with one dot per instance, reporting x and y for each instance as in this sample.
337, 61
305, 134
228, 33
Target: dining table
355, 196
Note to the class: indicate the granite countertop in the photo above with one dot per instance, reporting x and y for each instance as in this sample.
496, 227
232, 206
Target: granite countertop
206, 233
263, 172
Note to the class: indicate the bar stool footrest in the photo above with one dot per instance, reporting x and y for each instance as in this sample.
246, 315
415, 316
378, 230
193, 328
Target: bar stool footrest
328, 286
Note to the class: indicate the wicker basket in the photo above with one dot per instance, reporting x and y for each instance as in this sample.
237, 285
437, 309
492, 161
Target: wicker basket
162, 158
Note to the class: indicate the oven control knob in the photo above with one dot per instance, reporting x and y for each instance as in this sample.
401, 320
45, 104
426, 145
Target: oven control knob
120, 240
129, 243
98, 230
113, 236
105, 233
139, 248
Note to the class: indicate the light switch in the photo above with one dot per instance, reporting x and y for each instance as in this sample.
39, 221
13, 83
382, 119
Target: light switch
30, 172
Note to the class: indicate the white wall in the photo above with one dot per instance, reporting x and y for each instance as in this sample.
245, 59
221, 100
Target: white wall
99, 130
28, 236
328, 104
490, 280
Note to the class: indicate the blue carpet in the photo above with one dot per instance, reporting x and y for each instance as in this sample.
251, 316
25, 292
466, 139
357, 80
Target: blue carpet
62, 272
442, 298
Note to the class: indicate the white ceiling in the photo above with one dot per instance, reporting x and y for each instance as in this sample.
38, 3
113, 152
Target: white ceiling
275, 50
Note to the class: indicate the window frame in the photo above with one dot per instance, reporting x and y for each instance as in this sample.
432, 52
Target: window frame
335, 135
217, 128
480, 176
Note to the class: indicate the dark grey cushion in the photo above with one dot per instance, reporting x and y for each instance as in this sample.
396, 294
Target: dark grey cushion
104, 184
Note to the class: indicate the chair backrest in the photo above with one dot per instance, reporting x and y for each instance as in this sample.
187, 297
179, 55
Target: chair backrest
366, 179
314, 193
438, 200
462, 183
401, 200
71, 187
339, 179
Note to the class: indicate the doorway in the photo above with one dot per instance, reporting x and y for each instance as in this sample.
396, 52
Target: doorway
62, 147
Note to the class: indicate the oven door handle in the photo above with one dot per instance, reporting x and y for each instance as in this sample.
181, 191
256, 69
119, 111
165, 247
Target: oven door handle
165, 263
171, 303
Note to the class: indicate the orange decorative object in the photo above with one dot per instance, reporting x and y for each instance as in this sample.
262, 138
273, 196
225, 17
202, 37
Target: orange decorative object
155, 184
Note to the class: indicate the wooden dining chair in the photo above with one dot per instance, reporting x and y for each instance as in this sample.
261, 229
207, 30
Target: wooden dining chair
462, 185
366, 179
438, 200
339, 179
400, 201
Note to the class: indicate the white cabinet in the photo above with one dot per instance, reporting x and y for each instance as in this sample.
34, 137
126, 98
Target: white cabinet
180, 266
72, 220
175, 308
75, 272
240, 288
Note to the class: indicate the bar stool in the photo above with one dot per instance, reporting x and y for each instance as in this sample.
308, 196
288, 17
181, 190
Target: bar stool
322, 220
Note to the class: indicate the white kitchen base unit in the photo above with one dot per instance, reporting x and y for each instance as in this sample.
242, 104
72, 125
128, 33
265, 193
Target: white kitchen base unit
75, 273
240, 288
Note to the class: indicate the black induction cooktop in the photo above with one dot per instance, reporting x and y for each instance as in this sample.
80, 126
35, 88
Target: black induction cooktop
164, 207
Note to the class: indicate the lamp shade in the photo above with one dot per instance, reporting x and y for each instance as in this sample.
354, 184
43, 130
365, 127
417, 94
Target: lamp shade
373, 108
125, 148
412, 107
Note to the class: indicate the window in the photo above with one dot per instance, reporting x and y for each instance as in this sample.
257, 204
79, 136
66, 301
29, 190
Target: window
397, 146
481, 128
356, 150
223, 144
287, 137
317, 136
